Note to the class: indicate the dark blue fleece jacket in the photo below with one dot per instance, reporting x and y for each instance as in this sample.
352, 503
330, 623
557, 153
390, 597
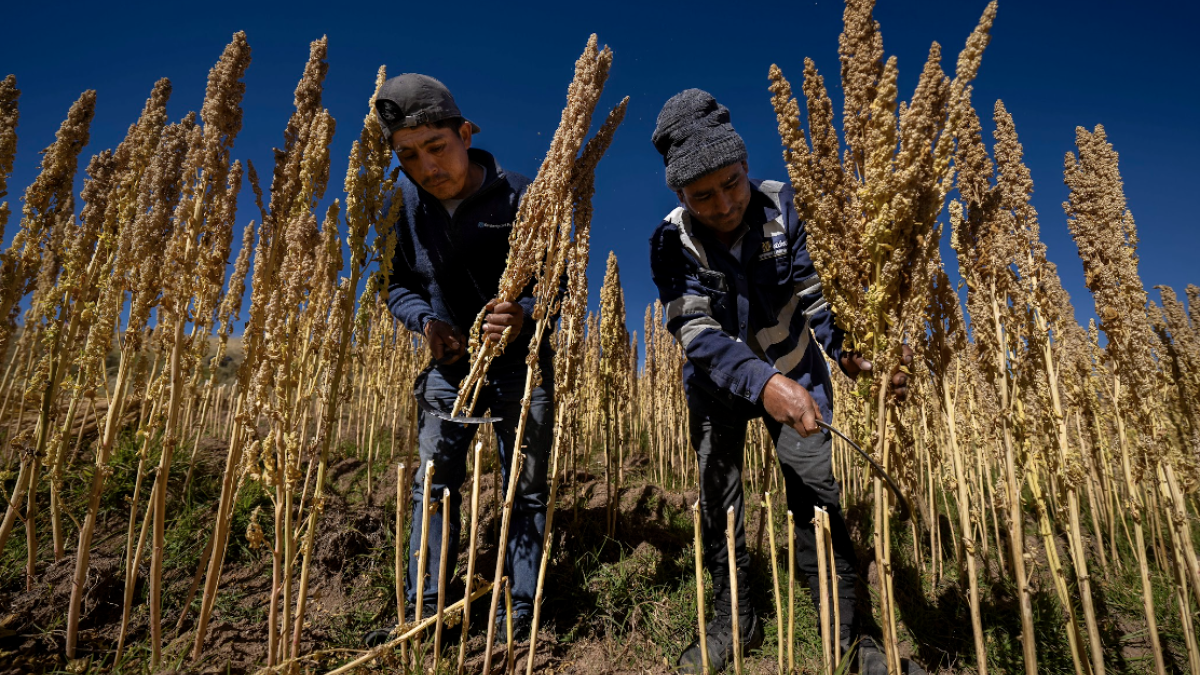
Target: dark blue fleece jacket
447, 267
742, 319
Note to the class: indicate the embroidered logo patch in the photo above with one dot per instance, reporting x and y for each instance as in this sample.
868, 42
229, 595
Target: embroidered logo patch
776, 247
495, 226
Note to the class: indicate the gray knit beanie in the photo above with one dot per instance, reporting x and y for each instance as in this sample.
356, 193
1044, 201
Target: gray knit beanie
695, 137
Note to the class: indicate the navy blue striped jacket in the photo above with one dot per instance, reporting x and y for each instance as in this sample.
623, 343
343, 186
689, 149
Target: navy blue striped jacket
741, 321
449, 268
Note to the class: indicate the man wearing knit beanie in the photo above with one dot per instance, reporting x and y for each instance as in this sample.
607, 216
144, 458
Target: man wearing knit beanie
742, 298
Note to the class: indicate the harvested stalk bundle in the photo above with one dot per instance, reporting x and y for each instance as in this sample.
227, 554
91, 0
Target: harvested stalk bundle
537, 243
568, 348
540, 250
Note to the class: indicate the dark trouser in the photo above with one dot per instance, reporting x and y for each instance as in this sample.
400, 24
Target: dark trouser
808, 477
447, 444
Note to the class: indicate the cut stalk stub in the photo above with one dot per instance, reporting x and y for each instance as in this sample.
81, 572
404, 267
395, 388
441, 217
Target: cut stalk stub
902, 509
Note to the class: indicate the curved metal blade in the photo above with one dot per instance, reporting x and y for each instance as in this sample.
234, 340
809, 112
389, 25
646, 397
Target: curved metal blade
424, 404
902, 509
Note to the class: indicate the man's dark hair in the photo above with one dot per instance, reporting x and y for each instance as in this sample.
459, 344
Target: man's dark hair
452, 123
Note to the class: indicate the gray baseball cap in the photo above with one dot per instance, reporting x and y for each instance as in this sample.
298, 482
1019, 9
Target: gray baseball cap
410, 100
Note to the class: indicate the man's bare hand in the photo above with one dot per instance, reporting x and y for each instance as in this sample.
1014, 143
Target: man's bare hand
854, 364
501, 315
445, 341
789, 403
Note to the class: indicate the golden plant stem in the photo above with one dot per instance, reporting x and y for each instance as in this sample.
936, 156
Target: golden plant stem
1075, 533
423, 551
699, 548
964, 523
791, 629
197, 578
24, 477
502, 548
399, 567
204, 406
10, 383
509, 652
547, 537
1180, 568
330, 410
1180, 520
1135, 508
216, 560
133, 555
159, 501
820, 523
1016, 514
882, 536
441, 601
770, 515
83, 553
733, 591
56, 471
475, 472
514, 477
827, 544
1058, 578
133, 564
1185, 615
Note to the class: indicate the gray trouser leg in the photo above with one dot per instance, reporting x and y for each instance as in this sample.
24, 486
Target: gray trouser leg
447, 445
807, 465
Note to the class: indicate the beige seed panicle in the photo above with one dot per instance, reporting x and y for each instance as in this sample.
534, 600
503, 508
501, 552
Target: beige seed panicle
286, 183
568, 345
47, 199
1186, 343
368, 186
1193, 296
1106, 236
231, 304
9, 116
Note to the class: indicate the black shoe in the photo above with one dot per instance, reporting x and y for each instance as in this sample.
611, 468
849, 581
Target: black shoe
720, 643
522, 627
381, 636
872, 660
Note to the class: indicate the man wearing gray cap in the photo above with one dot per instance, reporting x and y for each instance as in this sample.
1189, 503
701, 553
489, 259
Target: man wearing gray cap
743, 299
451, 250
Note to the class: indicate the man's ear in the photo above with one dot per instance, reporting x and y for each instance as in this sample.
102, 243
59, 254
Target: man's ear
464, 132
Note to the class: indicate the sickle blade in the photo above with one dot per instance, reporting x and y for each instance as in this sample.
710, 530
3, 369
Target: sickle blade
902, 509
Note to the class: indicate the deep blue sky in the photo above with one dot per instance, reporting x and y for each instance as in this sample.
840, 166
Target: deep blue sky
1056, 65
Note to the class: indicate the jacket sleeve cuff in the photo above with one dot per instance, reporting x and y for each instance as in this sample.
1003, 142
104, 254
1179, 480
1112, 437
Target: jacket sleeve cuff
527, 305
756, 381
